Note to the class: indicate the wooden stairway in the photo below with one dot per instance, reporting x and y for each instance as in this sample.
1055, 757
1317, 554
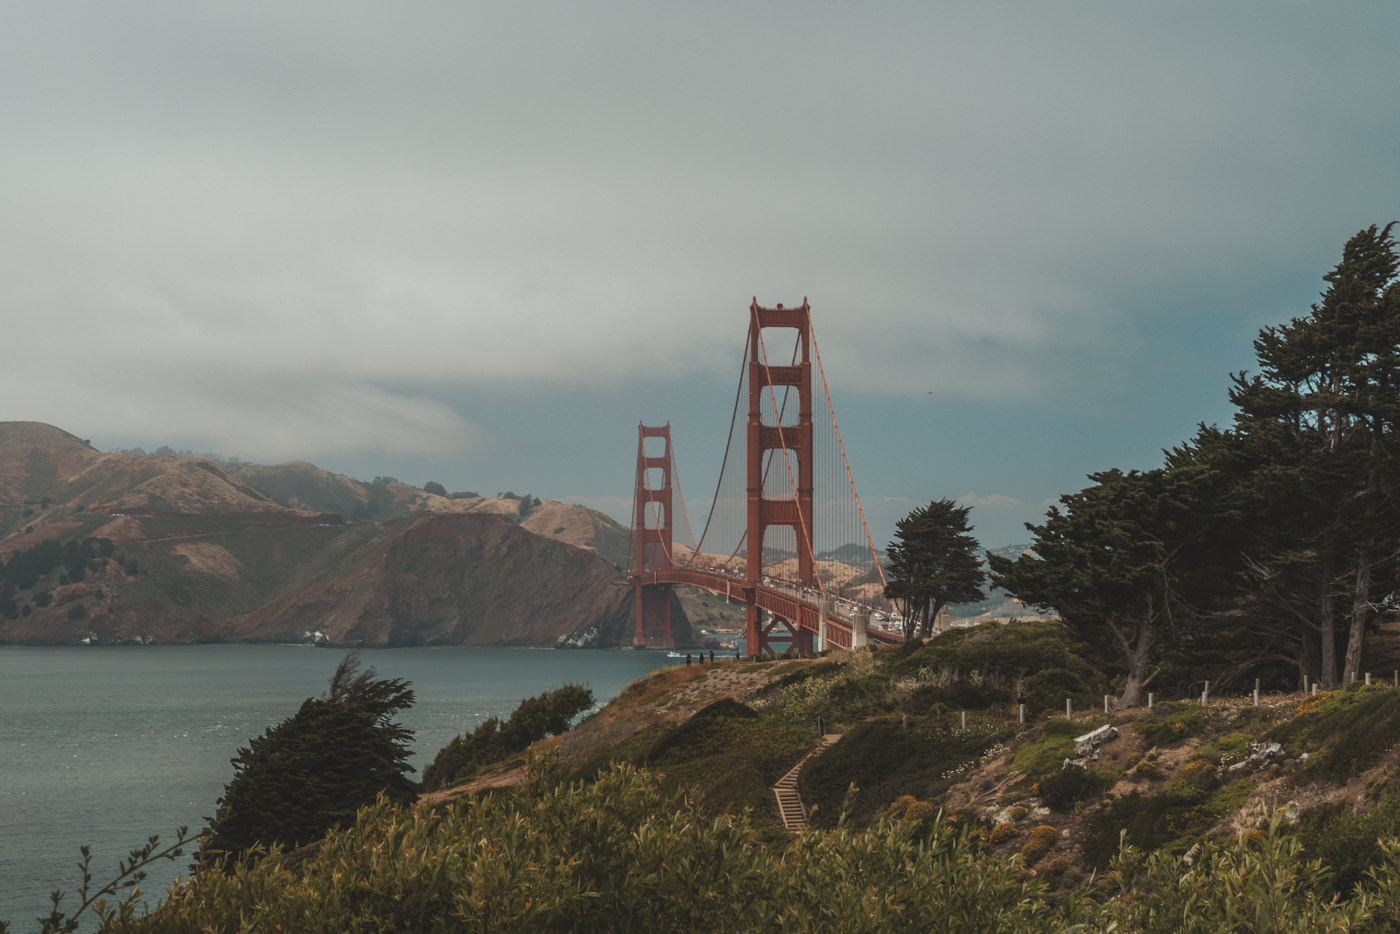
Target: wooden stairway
790, 808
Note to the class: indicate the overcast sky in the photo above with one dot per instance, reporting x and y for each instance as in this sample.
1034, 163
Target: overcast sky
478, 243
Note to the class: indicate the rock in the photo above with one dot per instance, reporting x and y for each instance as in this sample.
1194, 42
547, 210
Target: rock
1087, 746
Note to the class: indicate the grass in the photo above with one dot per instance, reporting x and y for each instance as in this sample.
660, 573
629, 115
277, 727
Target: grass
1343, 732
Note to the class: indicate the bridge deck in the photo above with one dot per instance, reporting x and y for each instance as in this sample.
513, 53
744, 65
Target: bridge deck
797, 605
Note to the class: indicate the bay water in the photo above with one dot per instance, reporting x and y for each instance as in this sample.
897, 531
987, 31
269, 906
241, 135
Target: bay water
106, 746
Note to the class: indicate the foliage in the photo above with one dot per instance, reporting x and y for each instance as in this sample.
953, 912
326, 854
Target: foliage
885, 760
26, 568
1122, 562
727, 757
1344, 732
1002, 832
1166, 724
848, 689
1348, 842
1307, 473
1047, 749
1263, 886
932, 562
537, 717
311, 772
987, 664
131, 872
1062, 790
1039, 842
620, 853
1171, 820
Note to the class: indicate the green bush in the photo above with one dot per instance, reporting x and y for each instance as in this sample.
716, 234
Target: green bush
1344, 732
1062, 790
537, 717
1046, 751
1346, 842
620, 853
885, 760
1166, 724
1041, 657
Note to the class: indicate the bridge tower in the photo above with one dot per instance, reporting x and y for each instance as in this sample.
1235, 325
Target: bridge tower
651, 542
795, 442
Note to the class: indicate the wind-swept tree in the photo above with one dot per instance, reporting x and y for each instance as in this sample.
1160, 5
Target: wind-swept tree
314, 770
933, 562
1320, 423
1120, 561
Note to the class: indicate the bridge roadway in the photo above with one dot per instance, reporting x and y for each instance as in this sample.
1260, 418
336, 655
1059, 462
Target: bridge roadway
781, 598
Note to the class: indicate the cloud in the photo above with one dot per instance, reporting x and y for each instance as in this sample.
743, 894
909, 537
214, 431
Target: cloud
304, 228
991, 501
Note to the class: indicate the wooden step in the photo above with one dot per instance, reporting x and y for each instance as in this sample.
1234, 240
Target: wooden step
790, 807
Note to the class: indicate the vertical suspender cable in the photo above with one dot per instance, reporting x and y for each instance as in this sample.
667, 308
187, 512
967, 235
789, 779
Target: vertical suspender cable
827, 392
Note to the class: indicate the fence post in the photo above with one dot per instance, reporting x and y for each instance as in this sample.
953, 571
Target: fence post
1205, 693
964, 719
1105, 703
1150, 695
1368, 679
1069, 709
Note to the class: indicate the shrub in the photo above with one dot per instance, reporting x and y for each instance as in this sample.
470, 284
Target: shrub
619, 853
1062, 790
537, 717
1348, 842
1169, 723
1039, 843
1001, 833
1047, 752
884, 760
1344, 732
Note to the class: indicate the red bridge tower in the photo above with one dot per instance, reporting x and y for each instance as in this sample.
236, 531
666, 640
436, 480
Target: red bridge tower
651, 543
795, 443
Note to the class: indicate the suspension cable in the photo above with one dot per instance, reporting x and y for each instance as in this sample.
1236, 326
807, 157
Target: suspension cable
836, 428
724, 464
676, 474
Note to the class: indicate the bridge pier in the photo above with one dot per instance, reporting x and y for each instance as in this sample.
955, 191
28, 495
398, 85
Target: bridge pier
653, 616
824, 604
860, 628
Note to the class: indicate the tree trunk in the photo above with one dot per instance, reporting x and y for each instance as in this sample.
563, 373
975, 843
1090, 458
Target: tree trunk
1360, 615
1327, 630
1137, 657
1308, 664
926, 629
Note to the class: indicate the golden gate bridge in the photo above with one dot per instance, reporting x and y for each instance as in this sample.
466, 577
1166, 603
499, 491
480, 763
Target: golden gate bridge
768, 523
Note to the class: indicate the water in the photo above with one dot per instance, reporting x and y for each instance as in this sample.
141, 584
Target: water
108, 745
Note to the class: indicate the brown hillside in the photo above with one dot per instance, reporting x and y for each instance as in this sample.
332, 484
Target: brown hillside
456, 580
35, 456
192, 550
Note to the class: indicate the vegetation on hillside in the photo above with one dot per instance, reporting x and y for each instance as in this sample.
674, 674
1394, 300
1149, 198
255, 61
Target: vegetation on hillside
919, 822
492, 741
28, 577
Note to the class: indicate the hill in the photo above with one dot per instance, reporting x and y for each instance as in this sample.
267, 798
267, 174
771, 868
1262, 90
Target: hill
132, 547
935, 808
